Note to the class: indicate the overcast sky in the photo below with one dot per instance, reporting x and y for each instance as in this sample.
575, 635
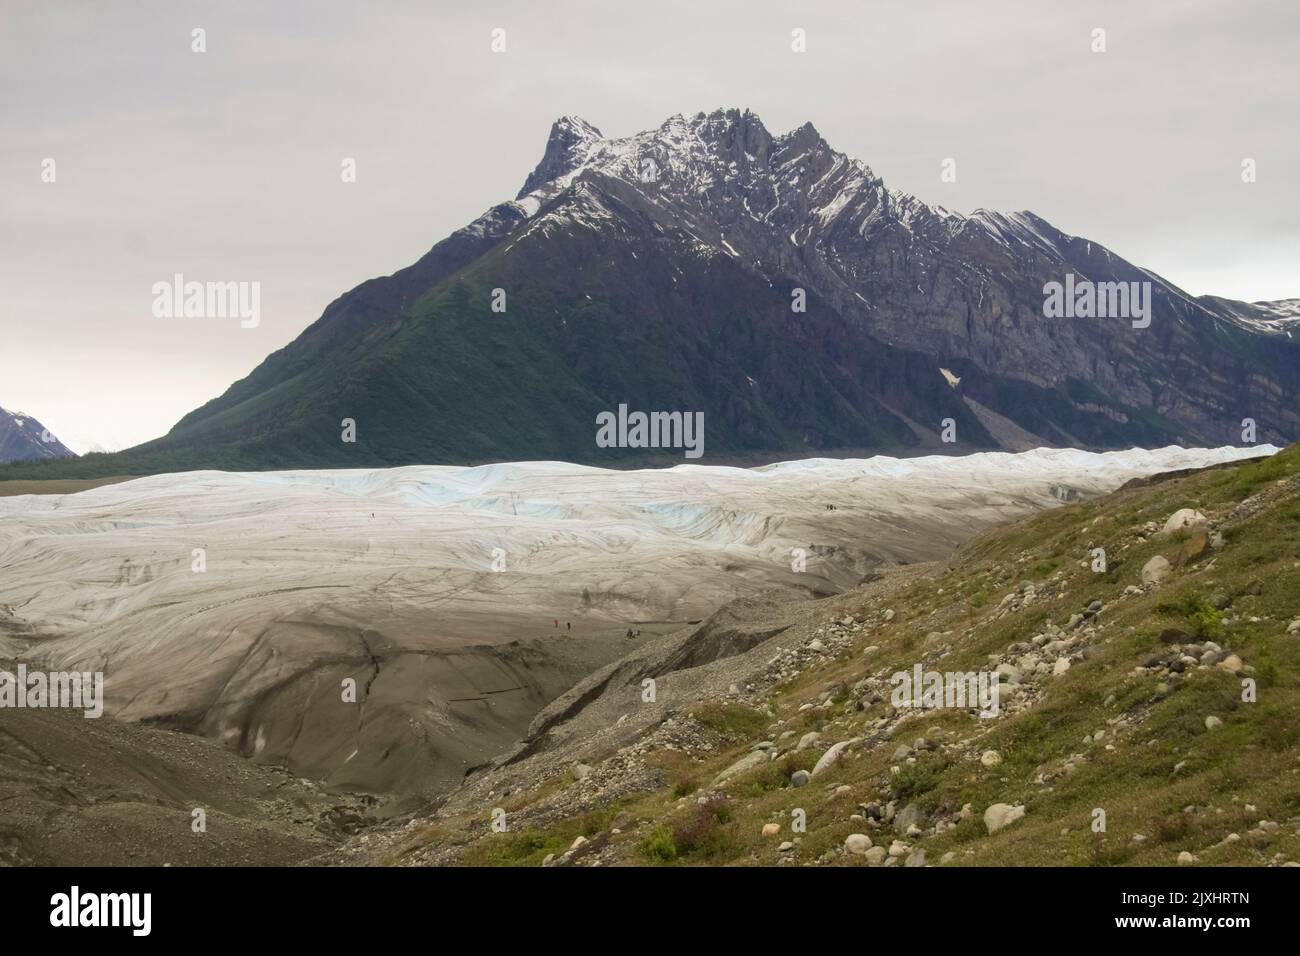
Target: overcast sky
225, 165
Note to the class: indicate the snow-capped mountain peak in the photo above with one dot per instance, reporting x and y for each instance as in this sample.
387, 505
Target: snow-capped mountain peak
791, 208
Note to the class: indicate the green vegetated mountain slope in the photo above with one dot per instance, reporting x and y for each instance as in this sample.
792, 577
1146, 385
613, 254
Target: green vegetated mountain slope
675, 293
448, 379
650, 322
1146, 718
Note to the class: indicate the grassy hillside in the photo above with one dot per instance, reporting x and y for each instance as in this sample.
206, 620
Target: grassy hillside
1117, 703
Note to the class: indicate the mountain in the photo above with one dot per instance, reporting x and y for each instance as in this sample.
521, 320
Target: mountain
660, 270
23, 438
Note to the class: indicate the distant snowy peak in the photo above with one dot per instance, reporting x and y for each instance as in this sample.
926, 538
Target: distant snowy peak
1282, 313
1279, 317
23, 438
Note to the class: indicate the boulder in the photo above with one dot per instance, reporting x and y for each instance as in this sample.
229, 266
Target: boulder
1194, 547
1231, 663
1184, 518
832, 756
857, 843
751, 761
1002, 815
1155, 570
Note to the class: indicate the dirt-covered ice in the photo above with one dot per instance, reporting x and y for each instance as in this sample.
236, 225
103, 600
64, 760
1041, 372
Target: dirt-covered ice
238, 605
